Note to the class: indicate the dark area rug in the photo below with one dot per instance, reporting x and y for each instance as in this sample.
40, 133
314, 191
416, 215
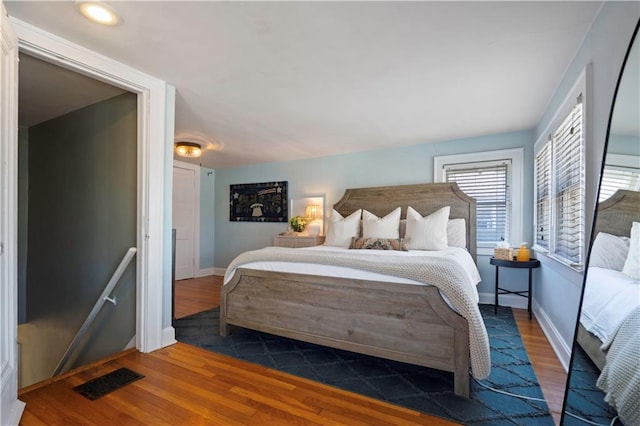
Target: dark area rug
418, 388
100, 386
585, 399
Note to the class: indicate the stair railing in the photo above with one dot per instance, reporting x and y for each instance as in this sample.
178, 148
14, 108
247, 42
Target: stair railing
104, 297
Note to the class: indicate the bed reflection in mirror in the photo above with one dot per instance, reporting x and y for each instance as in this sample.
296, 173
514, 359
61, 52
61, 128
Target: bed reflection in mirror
604, 378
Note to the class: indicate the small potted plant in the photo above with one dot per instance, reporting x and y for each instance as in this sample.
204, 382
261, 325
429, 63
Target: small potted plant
297, 223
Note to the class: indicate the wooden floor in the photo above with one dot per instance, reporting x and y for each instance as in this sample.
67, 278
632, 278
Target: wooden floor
187, 385
551, 376
196, 295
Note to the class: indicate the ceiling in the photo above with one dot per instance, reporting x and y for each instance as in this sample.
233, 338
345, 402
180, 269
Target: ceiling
42, 98
277, 81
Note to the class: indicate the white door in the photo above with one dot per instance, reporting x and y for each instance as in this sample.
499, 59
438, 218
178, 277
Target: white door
184, 220
10, 407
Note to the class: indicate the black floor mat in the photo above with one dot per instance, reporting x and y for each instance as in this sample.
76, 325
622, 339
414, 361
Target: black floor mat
100, 386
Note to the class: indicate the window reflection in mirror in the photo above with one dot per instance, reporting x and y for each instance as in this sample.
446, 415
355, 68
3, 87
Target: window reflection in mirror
604, 377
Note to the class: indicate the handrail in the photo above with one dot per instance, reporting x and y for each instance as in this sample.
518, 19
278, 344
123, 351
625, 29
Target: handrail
104, 297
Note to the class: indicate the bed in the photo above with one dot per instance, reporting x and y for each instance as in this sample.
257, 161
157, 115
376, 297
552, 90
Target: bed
376, 315
609, 294
609, 328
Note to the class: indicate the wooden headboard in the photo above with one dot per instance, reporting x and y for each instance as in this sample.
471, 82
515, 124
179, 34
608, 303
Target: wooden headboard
617, 213
424, 198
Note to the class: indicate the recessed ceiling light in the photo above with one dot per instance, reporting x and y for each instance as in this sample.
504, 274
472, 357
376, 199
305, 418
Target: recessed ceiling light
99, 12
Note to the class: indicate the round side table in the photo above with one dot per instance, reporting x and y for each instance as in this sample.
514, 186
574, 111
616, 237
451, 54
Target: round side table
530, 264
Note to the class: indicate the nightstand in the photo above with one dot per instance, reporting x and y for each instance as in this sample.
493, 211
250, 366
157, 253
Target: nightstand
532, 263
295, 241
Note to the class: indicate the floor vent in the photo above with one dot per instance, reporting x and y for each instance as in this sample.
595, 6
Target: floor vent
100, 386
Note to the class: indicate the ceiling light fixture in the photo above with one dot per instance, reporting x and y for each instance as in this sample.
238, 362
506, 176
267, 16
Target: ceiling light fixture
188, 149
99, 12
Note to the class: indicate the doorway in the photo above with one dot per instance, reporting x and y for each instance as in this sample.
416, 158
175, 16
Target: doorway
77, 196
156, 114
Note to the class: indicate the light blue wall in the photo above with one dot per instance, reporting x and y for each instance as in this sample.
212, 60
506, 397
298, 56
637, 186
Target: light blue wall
558, 288
207, 215
332, 175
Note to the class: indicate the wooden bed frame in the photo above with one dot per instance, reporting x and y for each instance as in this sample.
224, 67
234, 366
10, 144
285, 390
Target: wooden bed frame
615, 216
402, 322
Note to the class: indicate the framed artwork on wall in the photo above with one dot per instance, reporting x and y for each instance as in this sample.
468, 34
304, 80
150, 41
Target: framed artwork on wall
258, 202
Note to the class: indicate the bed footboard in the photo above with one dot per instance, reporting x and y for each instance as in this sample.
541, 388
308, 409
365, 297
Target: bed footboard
401, 322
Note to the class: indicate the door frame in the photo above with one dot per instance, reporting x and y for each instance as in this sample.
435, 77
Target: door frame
155, 112
156, 107
10, 407
196, 212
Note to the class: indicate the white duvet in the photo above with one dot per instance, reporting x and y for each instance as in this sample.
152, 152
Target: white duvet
609, 296
460, 255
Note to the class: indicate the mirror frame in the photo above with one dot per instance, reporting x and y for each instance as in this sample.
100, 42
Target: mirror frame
632, 41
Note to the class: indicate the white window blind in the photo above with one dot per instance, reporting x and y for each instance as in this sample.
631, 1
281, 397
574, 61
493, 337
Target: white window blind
569, 183
616, 177
543, 196
490, 184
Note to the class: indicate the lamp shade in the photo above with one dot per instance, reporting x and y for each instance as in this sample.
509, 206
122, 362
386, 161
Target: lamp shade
312, 212
188, 149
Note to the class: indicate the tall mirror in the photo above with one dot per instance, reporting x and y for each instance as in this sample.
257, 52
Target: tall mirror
604, 377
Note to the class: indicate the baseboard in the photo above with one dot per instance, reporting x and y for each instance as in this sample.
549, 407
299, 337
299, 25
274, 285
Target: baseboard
505, 300
11, 407
131, 344
205, 272
559, 346
219, 271
168, 336
16, 412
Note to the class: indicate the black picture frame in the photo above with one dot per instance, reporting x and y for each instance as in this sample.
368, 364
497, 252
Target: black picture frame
259, 202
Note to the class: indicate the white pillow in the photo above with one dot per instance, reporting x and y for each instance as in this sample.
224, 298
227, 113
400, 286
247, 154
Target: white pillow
456, 233
429, 232
381, 227
341, 229
609, 251
632, 264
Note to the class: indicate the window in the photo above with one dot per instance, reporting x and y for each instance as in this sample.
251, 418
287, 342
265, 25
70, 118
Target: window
620, 172
560, 183
494, 179
489, 184
568, 170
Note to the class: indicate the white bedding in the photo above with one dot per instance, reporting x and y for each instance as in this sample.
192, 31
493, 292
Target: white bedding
620, 378
461, 255
609, 296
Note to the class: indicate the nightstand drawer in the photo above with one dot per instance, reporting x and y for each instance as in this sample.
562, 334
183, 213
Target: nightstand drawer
294, 241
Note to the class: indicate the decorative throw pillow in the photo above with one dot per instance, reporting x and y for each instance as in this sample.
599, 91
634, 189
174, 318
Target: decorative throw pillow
429, 232
632, 264
381, 227
609, 251
400, 244
342, 229
457, 233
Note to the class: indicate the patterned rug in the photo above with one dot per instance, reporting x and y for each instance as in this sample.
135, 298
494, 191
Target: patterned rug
419, 388
585, 399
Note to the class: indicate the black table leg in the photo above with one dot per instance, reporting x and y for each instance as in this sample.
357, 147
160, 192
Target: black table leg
529, 294
495, 305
